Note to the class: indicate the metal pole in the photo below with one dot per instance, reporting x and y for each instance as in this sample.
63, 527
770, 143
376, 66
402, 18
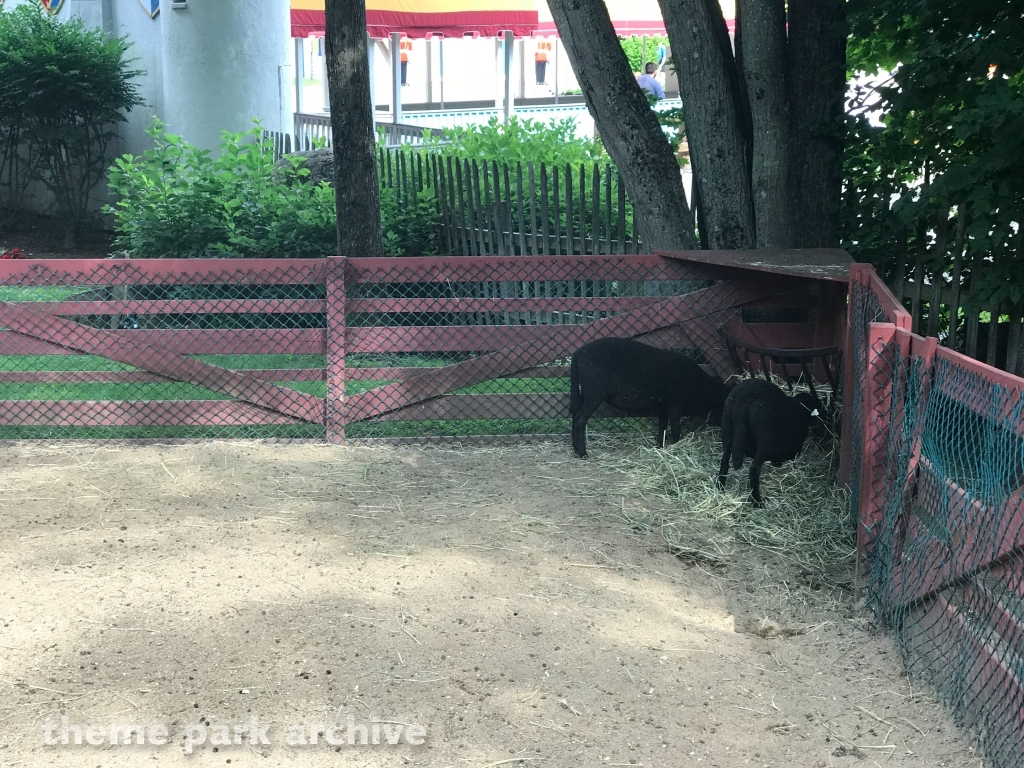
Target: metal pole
371, 55
396, 77
430, 71
522, 68
508, 51
300, 73
440, 67
643, 54
556, 69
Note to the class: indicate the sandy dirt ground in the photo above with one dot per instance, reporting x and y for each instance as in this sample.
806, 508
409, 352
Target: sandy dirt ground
494, 598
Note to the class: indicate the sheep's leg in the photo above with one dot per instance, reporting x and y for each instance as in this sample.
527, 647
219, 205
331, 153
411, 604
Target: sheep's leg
675, 418
579, 426
662, 427
724, 469
755, 481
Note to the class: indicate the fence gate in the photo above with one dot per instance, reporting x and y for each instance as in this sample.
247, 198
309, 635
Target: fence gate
447, 347
169, 349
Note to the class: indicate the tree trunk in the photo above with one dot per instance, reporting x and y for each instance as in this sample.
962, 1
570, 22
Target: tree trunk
356, 188
629, 129
816, 78
712, 104
762, 53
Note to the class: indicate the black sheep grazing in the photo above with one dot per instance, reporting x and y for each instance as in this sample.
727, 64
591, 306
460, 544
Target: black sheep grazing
762, 422
641, 381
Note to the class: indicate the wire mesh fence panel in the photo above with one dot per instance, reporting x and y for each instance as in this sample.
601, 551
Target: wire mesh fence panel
440, 348
942, 470
168, 350
866, 307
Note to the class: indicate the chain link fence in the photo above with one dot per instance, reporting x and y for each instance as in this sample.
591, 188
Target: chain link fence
164, 350
285, 349
440, 349
942, 518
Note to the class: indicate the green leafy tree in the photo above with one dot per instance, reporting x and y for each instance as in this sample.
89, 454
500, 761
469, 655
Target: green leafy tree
947, 165
633, 47
63, 90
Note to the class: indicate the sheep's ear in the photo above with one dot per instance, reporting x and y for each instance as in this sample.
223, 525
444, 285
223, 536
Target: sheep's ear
814, 412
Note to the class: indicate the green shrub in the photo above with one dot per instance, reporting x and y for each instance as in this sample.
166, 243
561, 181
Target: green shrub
176, 201
634, 49
517, 141
63, 89
411, 228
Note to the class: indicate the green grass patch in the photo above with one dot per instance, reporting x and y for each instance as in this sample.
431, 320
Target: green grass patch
40, 293
258, 432
269, 362
60, 363
467, 427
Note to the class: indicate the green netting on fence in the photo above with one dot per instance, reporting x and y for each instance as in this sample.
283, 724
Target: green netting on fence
944, 470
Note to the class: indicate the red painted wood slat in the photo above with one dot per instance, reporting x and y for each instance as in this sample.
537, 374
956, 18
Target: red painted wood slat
89, 273
145, 377
527, 355
180, 307
535, 405
468, 304
517, 268
136, 413
23, 320
263, 341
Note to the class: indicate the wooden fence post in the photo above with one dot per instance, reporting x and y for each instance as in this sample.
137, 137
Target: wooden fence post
857, 277
337, 403
876, 437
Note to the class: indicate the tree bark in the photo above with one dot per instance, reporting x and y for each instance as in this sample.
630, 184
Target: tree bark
714, 114
816, 78
356, 189
762, 53
627, 124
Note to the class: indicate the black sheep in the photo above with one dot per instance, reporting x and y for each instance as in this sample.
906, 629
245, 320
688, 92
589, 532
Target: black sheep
762, 422
641, 381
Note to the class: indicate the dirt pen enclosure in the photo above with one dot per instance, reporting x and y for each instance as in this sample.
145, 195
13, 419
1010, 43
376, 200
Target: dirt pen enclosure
411, 552
495, 595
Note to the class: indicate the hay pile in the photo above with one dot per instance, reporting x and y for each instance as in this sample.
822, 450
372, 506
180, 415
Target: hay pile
805, 519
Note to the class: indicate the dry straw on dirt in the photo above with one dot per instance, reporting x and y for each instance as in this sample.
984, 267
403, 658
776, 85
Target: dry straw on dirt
805, 519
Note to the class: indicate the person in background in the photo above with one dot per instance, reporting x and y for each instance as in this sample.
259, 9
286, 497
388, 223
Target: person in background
649, 83
540, 60
405, 46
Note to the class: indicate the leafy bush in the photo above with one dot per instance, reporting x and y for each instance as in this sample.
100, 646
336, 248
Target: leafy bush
411, 228
63, 89
518, 140
634, 49
177, 201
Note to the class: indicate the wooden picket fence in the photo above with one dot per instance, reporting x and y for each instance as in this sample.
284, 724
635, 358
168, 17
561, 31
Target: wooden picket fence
935, 291
492, 209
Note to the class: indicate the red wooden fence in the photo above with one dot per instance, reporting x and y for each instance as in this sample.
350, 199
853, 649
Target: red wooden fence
941, 513
364, 348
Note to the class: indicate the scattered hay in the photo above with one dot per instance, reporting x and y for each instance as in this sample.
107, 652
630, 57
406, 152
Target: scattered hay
805, 519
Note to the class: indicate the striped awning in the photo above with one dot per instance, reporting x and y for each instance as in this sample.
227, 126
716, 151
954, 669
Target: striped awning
484, 18
427, 18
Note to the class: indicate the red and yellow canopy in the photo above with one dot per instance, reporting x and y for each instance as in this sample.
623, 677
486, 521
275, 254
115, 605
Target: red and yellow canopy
486, 18
426, 18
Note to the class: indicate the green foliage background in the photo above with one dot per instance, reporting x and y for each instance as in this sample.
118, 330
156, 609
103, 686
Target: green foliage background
64, 87
634, 45
953, 105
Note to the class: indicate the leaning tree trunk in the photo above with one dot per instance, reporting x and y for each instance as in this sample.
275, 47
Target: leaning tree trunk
762, 54
356, 190
629, 129
816, 77
714, 114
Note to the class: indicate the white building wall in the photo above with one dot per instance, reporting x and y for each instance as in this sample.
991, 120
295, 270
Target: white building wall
225, 63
